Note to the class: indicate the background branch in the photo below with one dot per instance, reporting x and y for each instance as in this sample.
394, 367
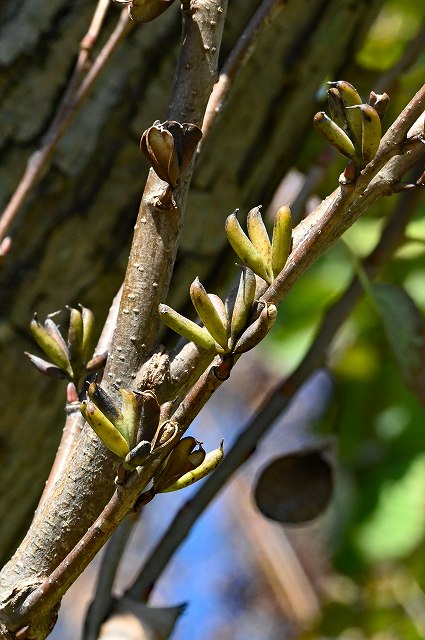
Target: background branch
78, 87
235, 62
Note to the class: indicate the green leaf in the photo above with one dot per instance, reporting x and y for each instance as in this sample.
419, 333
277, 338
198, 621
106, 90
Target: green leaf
396, 526
403, 325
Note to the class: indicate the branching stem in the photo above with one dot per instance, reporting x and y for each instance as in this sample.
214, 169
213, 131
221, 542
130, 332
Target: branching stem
273, 406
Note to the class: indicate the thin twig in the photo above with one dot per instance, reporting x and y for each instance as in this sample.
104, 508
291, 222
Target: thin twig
198, 396
102, 598
273, 552
237, 60
90, 39
78, 87
273, 406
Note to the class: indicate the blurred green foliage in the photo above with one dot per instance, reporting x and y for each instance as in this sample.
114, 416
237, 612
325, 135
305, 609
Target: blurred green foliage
377, 524
395, 27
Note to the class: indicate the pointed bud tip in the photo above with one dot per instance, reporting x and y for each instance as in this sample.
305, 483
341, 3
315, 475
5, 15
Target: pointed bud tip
71, 393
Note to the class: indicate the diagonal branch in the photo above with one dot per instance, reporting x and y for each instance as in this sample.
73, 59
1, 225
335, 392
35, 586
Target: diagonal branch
321, 228
78, 87
178, 530
237, 60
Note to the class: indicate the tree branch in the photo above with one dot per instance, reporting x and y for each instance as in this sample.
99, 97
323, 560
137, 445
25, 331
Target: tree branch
87, 480
273, 407
91, 463
319, 230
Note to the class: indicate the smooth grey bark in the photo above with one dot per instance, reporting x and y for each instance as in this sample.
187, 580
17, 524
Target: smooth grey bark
72, 242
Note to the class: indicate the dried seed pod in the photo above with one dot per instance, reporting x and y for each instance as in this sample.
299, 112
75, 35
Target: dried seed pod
157, 145
334, 135
242, 305
186, 138
46, 368
75, 340
371, 131
380, 102
149, 416
210, 462
126, 418
165, 432
53, 329
177, 463
104, 402
88, 326
107, 432
131, 411
97, 362
138, 455
197, 457
169, 147
257, 330
350, 97
259, 237
336, 108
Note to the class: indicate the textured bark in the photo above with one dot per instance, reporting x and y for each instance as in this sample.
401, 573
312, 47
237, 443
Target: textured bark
72, 242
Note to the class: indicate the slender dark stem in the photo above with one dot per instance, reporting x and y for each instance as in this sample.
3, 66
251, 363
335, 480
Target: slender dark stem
77, 89
237, 60
101, 602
